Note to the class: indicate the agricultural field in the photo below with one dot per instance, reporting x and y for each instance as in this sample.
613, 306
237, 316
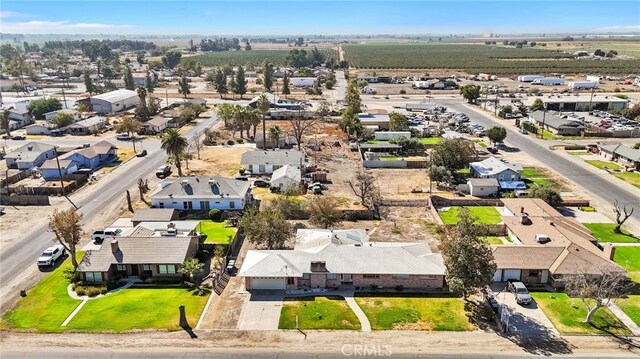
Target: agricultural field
256, 57
478, 58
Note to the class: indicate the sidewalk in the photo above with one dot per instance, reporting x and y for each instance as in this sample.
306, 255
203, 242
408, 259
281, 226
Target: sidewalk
624, 318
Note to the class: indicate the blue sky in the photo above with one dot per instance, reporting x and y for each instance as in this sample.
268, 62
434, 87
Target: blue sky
317, 17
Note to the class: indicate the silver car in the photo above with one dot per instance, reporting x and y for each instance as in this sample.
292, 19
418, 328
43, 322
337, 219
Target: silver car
520, 292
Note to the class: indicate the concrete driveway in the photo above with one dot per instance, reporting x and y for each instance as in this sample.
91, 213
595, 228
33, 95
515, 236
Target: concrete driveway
526, 321
262, 311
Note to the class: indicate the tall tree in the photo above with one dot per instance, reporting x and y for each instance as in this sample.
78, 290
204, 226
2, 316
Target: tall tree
38, 107
142, 94
174, 145
453, 154
130, 126
253, 118
363, 185
148, 83
62, 119
267, 76
538, 105
183, 87
267, 228
88, 84
274, 133
129, 84
225, 112
301, 126
285, 85
398, 122
263, 106
596, 290
496, 134
547, 193
324, 212
171, 59
468, 258
240, 87
470, 92
221, 83
68, 231
198, 69
5, 122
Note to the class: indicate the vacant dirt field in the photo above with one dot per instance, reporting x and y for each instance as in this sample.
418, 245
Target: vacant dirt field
215, 161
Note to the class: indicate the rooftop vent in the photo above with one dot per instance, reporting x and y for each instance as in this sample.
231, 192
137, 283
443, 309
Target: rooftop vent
213, 182
185, 182
542, 238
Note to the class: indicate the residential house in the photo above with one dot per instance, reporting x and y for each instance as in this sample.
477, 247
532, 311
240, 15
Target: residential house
276, 102
140, 78
20, 116
93, 156
375, 119
304, 81
121, 257
38, 129
154, 215
202, 193
32, 154
556, 124
344, 258
483, 187
77, 116
50, 171
620, 153
114, 101
547, 246
495, 168
156, 125
265, 162
86, 127
286, 177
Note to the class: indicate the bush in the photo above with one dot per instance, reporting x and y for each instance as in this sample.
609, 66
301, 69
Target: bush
240, 140
231, 142
80, 291
403, 92
166, 280
215, 215
93, 291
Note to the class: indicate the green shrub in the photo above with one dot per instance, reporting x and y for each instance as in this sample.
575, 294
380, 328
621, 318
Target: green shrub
80, 291
231, 142
166, 280
93, 291
403, 92
215, 215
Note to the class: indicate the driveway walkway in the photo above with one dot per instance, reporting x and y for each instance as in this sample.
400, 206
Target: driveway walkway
262, 311
624, 318
525, 321
364, 321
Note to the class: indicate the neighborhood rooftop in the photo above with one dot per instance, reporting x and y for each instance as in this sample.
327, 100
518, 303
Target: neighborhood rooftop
202, 186
115, 96
273, 157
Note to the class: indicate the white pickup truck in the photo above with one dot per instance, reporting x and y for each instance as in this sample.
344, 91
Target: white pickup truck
51, 255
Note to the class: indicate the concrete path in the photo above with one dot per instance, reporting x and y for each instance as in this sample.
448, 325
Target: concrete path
637, 244
262, 311
73, 314
633, 327
364, 321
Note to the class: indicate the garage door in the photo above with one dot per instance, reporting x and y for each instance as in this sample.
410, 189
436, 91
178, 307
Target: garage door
511, 274
268, 283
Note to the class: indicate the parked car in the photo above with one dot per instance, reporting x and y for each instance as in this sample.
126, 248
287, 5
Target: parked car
163, 171
524, 131
141, 153
123, 137
99, 236
261, 183
521, 293
18, 138
492, 150
242, 178
51, 255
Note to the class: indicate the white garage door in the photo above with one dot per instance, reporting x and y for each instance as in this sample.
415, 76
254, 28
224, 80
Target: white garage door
511, 274
268, 283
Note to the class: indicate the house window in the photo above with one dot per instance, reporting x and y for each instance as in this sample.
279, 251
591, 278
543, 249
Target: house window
332, 276
400, 276
275, 167
204, 205
290, 281
121, 267
187, 205
371, 276
306, 275
93, 276
429, 277
261, 168
161, 204
166, 269
232, 204
146, 267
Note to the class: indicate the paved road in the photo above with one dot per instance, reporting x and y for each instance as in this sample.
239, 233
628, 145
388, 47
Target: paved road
596, 185
340, 87
24, 252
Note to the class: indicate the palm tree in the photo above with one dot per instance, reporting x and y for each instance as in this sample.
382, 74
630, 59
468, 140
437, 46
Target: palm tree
225, 112
274, 133
190, 267
263, 107
174, 144
253, 119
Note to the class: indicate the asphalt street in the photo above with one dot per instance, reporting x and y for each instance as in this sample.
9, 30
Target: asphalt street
23, 253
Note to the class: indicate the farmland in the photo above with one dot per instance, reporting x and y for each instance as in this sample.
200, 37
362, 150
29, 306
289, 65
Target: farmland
478, 58
256, 57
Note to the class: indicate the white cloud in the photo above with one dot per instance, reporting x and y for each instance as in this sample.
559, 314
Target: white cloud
40, 27
98, 26
621, 28
10, 14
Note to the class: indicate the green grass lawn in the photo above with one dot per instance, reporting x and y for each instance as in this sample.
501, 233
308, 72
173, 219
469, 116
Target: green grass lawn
216, 232
604, 233
389, 159
532, 172
485, 214
47, 304
628, 258
493, 240
375, 141
632, 178
139, 308
587, 209
464, 171
430, 141
318, 313
631, 306
415, 313
579, 153
602, 164
540, 181
569, 319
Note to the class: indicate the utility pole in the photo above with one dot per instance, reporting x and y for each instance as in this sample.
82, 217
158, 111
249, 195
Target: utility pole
64, 98
495, 111
55, 153
591, 100
166, 94
544, 115
486, 94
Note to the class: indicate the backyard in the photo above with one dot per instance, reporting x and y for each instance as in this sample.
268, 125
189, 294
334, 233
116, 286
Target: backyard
568, 314
318, 313
484, 214
216, 232
604, 233
428, 312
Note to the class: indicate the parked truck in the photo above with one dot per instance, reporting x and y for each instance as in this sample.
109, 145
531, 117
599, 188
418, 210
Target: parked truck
548, 81
529, 78
583, 85
594, 78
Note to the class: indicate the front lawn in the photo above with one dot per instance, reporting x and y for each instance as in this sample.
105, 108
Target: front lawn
602, 164
47, 304
632, 178
389, 159
420, 312
139, 308
430, 141
579, 153
631, 306
568, 314
318, 313
493, 240
604, 233
628, 258
485, 214
532, 172
216, 232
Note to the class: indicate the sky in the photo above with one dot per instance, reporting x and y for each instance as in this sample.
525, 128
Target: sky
162, 17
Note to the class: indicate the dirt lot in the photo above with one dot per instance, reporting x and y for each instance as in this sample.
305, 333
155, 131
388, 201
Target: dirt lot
215, 161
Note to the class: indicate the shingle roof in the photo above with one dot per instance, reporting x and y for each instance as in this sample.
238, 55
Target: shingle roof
100, 148
525, 257
154, 215
200, 187
280, 158
132, 250
286, 172
53, 164
91, 121
493, 166
30, 151
554, 121
621, 150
